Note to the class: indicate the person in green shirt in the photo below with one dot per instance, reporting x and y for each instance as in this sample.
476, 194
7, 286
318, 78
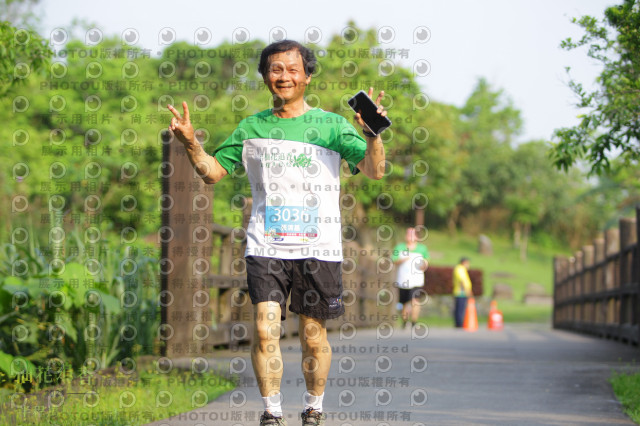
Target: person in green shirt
412, 260
292, 155
461, 290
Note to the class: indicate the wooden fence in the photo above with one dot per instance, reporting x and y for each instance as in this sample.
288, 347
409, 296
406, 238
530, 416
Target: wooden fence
201, 308
439, 280
597, 290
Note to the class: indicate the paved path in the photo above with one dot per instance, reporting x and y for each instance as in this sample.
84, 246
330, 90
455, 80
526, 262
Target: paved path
523, 375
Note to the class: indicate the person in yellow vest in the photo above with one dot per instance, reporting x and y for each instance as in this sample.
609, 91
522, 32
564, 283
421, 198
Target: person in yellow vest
461, 290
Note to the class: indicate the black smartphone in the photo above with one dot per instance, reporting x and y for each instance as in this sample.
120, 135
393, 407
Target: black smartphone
362, 103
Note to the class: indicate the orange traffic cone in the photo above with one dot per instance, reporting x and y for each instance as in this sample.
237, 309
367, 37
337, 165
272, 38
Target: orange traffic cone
470, 316
495, 317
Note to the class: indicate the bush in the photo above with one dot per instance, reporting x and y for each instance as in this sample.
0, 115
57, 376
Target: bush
85, 302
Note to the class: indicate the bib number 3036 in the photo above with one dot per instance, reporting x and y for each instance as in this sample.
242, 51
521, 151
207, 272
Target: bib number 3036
291, 225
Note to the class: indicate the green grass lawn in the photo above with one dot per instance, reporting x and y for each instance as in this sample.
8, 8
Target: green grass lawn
512, 312
114, 399
504, 266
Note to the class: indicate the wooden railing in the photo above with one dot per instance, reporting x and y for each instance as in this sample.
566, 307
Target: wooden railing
597, 290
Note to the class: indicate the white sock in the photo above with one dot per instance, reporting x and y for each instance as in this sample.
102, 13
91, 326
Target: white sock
273, 405
312, 401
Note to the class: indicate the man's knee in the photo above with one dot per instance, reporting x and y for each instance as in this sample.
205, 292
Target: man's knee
313, 330
267, 331
267, 325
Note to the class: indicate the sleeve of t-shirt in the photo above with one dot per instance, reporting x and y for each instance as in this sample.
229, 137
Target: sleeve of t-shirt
395, 255
424, 251
229, 153
352, 146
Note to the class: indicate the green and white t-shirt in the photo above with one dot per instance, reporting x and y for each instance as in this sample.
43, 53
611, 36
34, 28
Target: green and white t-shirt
409, 273
293, 166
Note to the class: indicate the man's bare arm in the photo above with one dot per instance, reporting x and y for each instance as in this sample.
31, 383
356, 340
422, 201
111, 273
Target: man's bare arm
205, 165
373, 163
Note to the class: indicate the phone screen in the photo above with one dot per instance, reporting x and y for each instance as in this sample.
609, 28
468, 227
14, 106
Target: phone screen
363, 104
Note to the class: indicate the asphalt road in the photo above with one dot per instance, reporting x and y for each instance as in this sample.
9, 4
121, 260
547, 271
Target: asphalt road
522, 375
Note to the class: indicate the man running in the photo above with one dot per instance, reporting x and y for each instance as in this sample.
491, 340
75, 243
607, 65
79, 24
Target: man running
292, 155
412, 260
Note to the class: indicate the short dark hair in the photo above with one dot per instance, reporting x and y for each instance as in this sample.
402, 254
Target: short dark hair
464, 259
308, 58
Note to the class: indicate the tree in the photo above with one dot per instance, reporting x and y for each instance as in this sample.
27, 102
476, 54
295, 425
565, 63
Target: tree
611, 127
531, 176
22, 52
487, 124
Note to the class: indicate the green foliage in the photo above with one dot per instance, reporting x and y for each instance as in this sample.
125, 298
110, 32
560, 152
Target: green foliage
91, 137
610, 128
13, 366
77, 302
481, 172
116, 398
627, 390
22, 52
620, 187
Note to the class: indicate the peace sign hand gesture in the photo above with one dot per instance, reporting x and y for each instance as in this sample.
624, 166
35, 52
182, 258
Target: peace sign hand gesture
181, 125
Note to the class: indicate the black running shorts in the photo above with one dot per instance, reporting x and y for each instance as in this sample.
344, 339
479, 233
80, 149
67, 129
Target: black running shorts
406, 294
315, 285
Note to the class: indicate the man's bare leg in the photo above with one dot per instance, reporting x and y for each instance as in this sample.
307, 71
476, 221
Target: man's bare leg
415, 310
265, 348
316, 354
406, 312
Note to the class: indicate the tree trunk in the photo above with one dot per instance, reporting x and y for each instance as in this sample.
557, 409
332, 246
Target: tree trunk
525, 240
452, 220
516, 234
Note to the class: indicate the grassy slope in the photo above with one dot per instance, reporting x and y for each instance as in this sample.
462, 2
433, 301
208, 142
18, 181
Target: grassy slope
504, 266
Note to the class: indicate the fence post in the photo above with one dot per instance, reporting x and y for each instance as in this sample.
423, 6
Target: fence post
557, 292
579, 283
627, 239
186, 249
636, 276
611, 247
587, 283
599, 258
570, 307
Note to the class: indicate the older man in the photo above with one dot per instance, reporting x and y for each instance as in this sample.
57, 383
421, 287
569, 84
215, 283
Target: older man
294, 233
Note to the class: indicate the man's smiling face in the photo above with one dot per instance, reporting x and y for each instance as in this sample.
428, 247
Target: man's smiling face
286, 77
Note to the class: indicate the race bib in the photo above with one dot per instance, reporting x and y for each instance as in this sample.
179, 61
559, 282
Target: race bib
290, 224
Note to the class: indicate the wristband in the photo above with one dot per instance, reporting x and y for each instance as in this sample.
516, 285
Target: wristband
368, 134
